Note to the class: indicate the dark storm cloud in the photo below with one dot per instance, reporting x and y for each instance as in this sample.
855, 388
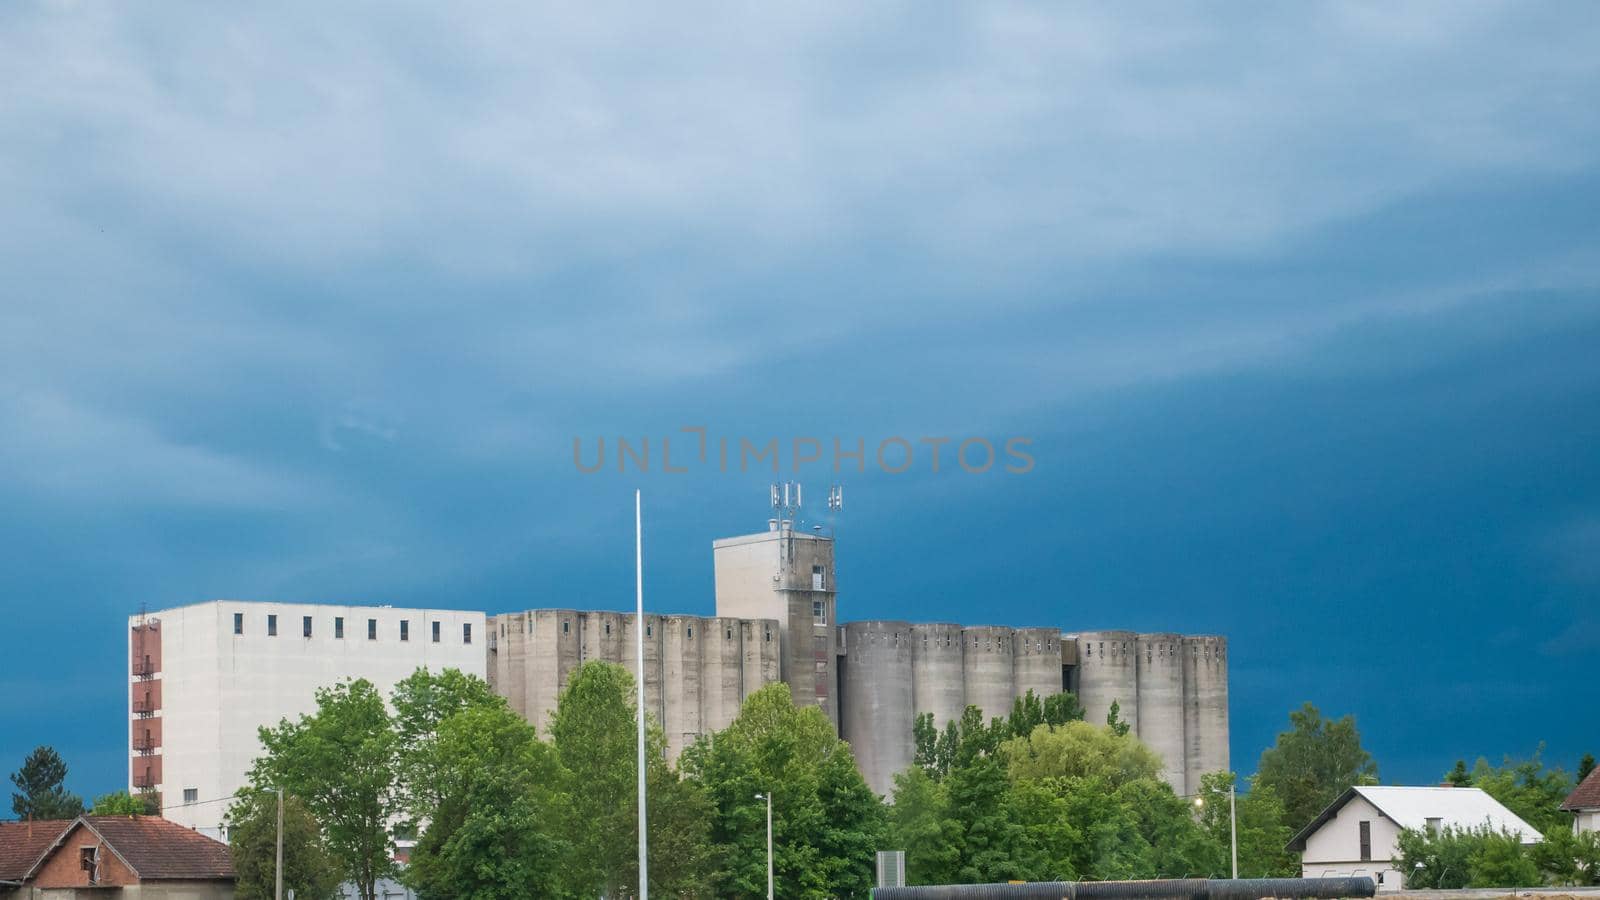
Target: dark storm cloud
1299, 304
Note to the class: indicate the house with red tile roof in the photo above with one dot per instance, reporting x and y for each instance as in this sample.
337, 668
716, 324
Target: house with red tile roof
1584, 804
144, 857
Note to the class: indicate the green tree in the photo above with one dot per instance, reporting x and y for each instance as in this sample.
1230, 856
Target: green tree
1059, 709
252, 822
826, 822
123, 803
918, 824
1078, 749
1314, 762
422, 702
1263, 835
1585, 766
1114, 720
1528, 788
594, 734
40, 792
492, 835
987, 834
1464, 857
1459, 776
340, 761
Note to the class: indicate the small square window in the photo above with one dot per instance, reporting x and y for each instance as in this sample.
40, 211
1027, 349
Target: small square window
338, 627
466, 633
691, 635
305, 626
272, 626
372, 629
405, 629
436, 632
238, 623
566, 627
819, 613
649, 631
191, 795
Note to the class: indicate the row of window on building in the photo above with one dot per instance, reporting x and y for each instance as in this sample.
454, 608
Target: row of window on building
306, 628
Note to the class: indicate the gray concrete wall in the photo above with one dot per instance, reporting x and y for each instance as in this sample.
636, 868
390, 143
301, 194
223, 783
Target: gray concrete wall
986, 666
938, 685
697, 673
1036, 662
1108, 672
1205, 706
774, 575
876, 705
1161, 718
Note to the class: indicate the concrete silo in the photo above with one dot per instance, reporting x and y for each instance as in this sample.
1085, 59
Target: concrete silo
508, 670
554, 647
938, 684
1160, 664
986, 668
876, 699
721, 674
1036, 664
681, 640
762, 657
1205, 706
602, 638
1107, 672
653, 704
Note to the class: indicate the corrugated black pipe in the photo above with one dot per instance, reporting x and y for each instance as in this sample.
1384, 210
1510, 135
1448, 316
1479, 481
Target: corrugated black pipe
1170, 889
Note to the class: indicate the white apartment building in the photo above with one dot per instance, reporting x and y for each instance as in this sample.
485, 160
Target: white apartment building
204, 678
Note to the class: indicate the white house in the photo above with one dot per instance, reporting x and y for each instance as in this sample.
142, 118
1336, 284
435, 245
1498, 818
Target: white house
1584, 804
1356, 834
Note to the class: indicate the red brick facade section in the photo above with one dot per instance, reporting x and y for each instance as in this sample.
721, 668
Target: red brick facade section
146, 771
144, 734
145, 696
130, 850
144, 648
64, 866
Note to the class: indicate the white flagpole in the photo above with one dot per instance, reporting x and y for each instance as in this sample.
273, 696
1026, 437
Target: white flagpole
638, 644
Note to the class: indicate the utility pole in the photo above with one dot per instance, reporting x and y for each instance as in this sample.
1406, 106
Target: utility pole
768, 796
277, 891
1233, 830
638, 638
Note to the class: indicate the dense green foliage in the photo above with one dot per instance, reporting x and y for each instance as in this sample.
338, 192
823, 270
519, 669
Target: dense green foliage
1025, 799
40, 792
340, 761
1480, 858
123, 803
503, 811
827, 824
1314, 762
252, 823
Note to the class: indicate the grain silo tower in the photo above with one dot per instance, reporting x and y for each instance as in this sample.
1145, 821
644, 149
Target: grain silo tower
1159, 659
1108, 672
875, 699
938, 685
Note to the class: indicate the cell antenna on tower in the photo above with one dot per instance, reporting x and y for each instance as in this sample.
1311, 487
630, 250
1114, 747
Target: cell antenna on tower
787, 499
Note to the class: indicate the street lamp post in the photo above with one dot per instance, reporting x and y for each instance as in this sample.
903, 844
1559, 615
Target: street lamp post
277, 886
1233, 826
768, 797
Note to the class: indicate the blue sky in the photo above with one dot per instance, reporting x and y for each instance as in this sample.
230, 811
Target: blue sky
1300, 305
